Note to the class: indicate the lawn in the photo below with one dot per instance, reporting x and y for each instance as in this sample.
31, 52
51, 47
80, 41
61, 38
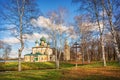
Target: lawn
94, 71
12, 66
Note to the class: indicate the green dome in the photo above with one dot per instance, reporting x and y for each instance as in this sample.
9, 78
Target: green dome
36, 41
48, 43
43, 39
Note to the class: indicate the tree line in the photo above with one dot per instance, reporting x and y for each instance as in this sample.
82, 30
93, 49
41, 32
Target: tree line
96, 27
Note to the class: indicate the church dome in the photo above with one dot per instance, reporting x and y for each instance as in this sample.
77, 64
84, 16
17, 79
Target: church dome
43, 39
36, 41
48, 43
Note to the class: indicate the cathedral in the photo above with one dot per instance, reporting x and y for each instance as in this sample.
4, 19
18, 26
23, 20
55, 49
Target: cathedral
41, 52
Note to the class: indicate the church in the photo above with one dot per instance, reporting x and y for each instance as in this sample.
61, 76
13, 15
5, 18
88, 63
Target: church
41, 52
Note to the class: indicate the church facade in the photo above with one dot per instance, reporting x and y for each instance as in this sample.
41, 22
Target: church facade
66, 51
41, 52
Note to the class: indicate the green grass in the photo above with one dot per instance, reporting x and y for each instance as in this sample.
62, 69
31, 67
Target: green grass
113, 64
66, 65
47, 71
12, 66
100, 64
99, 77
63, 74
30, 75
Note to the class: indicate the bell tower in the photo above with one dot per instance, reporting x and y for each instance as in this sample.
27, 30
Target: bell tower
66, 51
36, 43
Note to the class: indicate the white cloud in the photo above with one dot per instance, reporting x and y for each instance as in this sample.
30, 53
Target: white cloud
47, 23
108, 36
41, 22
96, 27
73, 36
34, 36
13, 54
88, 26
62, 28
103, 13
29, 37
9, 26
14, 31
11, 40
37, 35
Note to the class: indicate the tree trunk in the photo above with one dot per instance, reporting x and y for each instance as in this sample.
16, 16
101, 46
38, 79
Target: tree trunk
103, 51
114, 39
116, 46
19, 60
56, 56
109, 10
100, 30
19, 55
114, 55
83, 60
88, 56
57, 64
21, 13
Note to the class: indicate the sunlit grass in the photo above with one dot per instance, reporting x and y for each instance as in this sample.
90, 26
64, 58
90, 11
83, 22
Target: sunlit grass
68, 71
63, 74
12, 66
31, 75
99, 64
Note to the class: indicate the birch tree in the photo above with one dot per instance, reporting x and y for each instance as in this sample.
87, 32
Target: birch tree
7, 50
57, 32
17, 13
94, 7
101, 27
84, 27
111, 6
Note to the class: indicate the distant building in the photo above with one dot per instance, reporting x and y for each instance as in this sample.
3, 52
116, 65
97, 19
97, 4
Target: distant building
66, 51
75, 52
41, 52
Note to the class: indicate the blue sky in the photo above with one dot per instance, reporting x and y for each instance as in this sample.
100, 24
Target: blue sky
45, 6
48, 5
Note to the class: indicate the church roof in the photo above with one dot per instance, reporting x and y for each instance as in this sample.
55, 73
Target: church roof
36, 41
36, 54
43, 39
48, 43
27, 54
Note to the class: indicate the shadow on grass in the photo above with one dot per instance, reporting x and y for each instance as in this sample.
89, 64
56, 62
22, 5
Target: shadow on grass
61, 74
31, 75
100, 77
90, 77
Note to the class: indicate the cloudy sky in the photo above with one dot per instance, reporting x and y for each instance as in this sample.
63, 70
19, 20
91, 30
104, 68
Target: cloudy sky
45, 6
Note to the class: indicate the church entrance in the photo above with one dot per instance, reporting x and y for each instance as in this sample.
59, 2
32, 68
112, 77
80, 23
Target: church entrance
35, 59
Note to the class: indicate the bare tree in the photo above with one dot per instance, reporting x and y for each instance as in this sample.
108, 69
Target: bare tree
1, 44
18, 13
58, 31
53, 34
84, 27
94, 7
101, 28
110, 6
7, 49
